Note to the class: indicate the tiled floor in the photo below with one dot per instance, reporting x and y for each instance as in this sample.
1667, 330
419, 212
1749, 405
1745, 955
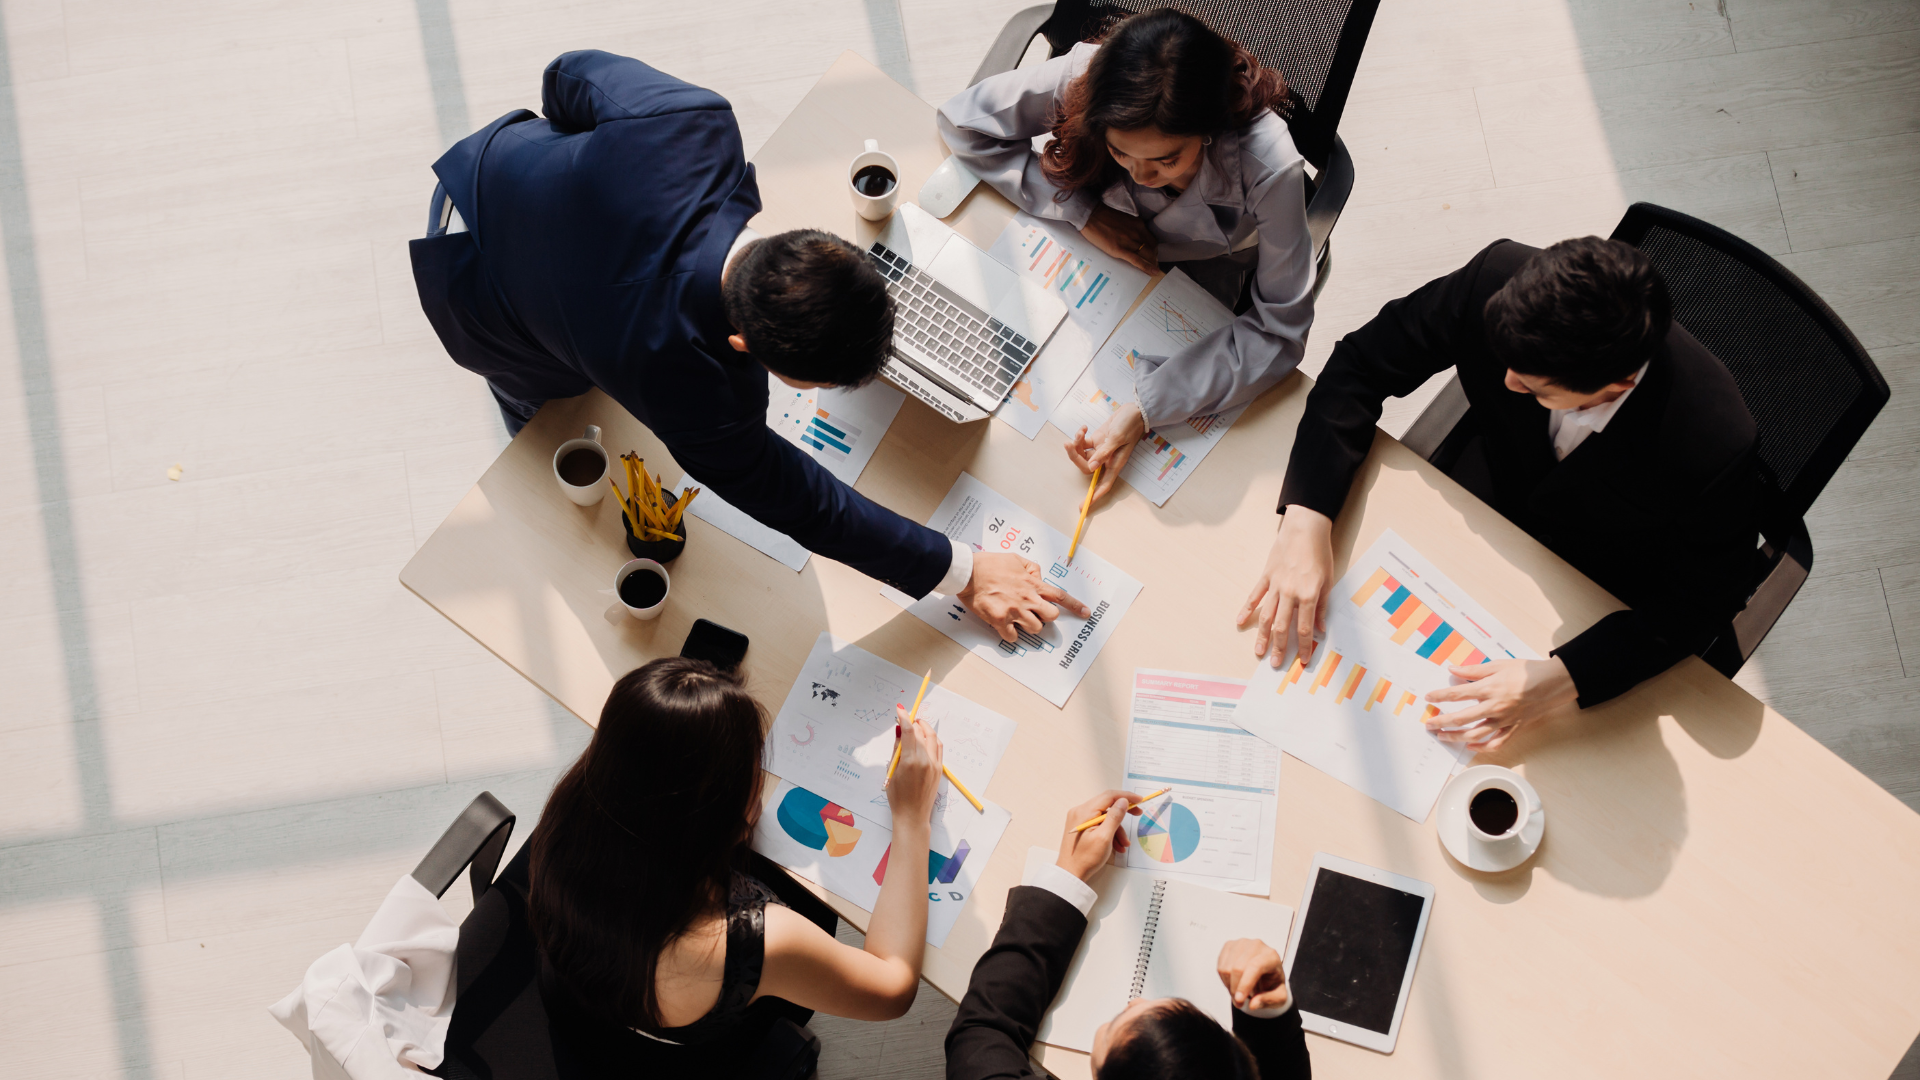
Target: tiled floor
225, 728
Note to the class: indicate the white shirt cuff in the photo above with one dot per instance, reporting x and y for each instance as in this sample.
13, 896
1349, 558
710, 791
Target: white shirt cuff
1065, 886
1268, 1014
959, 571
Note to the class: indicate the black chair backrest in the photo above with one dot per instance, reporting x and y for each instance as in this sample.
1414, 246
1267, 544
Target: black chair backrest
1811, 388
1314, 43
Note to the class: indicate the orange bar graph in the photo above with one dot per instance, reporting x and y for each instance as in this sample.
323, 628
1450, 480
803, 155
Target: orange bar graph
1406, 699
1353, 681
1453, 641
1326, 673
1460, 651
1292, 676
1379, 694
1377, 579
1432, 711
1408, 619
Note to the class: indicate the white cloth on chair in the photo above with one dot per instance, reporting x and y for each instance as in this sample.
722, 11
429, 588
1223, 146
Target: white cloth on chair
380, 1007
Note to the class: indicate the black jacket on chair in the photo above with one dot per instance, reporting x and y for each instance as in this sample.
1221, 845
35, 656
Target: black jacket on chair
1661, 508
1015, 982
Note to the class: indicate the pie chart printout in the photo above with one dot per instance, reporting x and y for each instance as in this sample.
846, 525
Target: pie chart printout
817, 823
1170, 835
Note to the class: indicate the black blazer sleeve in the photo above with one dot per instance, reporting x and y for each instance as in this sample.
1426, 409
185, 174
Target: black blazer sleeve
1683, 597
1279, 1045
1012, 986
1411, 340
770, 480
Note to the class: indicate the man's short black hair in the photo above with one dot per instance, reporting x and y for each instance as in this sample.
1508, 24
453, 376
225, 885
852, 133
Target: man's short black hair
812, 307
1583, 314
1177, 1040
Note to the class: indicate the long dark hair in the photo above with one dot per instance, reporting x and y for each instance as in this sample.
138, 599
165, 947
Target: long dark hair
1178, 1042
639, 838
1162, 69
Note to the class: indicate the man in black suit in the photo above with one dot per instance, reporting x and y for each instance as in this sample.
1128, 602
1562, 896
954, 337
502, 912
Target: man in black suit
1597, 424
1015, 982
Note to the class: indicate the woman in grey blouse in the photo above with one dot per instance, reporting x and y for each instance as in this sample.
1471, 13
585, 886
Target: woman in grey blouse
1167, 149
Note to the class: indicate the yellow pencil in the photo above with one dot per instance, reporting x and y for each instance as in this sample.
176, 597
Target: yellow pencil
1092, 821
911, 717
1084, 508
962, 789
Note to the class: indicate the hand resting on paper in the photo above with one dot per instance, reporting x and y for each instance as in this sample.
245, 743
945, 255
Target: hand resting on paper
1506, 695
1251, 970
1110, 446
1124, 237
1291, 592
1082, 854
1008, 592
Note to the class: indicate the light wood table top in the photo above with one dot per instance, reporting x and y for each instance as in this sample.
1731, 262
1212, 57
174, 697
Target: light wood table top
1717, 894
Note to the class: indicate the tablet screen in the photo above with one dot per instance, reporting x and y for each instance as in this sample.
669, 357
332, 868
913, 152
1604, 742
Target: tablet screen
1354, 948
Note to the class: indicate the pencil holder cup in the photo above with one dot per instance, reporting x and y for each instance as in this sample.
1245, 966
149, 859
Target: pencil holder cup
660, 551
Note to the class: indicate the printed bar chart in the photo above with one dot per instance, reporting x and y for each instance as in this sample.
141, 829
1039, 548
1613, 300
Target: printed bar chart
1379, 694
1408, 616
1327, 668
1353, 680
825, 433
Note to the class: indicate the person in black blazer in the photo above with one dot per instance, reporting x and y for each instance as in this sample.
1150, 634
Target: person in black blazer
1597, 424
605, 244
1159, 1038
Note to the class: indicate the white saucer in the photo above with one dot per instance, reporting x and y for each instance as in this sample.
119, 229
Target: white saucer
1472, 852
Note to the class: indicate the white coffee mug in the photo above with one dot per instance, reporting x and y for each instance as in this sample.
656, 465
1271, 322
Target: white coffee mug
627, 571
1522, 811
587, 494
874, 207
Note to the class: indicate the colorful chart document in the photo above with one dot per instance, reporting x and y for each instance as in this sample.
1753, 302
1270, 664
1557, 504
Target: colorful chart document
1176, 314
834, 733
847, 853
1356, 709
1097, 289
837, 427
1052, 662
1216, 826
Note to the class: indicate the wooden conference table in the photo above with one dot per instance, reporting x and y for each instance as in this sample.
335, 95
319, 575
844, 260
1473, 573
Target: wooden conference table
1717, 894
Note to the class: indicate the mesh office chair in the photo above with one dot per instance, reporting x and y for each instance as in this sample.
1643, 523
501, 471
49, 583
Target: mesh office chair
1314, 43
1811, 388
500, 1028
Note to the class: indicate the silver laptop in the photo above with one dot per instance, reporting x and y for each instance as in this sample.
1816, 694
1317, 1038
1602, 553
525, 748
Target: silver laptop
965, 326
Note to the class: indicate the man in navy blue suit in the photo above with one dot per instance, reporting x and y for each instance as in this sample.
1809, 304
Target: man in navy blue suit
606, 245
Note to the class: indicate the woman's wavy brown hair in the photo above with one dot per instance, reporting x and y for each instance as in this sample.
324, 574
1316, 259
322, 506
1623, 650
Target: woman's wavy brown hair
1161, 69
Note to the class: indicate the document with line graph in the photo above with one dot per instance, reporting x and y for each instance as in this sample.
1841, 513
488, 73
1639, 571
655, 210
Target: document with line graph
1175, 315
1052, 662
1356, 709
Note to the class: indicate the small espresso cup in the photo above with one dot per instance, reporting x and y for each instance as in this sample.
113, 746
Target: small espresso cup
630, 598
865, 174
1494, 807
591, 491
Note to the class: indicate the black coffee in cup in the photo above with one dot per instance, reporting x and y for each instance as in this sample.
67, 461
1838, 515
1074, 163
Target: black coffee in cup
873, 181
1493, 811
642, 589
582, 466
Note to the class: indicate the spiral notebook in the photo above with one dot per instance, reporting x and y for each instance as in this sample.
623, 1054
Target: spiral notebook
1152, 937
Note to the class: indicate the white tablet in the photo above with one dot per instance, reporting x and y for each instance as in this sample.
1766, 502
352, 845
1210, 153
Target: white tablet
1351, 955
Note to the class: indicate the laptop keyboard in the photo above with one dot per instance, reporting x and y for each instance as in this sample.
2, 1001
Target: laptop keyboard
971, 346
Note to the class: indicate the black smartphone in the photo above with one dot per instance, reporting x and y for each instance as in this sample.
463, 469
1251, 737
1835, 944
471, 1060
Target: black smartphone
719, 646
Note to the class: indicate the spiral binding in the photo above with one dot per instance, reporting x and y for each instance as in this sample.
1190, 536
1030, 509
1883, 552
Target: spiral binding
1148, 930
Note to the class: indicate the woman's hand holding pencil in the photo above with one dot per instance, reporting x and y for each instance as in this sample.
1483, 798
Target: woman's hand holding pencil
916, 774
1084, 850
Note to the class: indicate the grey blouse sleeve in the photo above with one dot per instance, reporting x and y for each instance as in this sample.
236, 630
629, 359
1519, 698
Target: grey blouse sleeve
1238, 362
990, 127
